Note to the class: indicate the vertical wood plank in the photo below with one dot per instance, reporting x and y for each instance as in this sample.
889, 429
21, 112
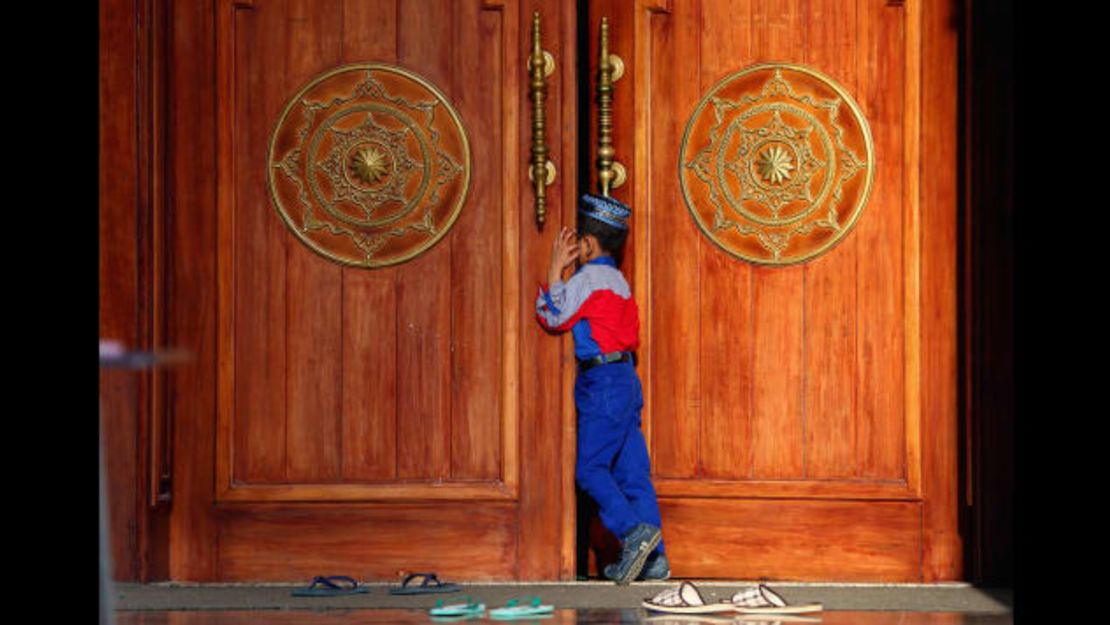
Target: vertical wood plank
942, 553
369, 378
369, 31
831, 279
260, 242
544, 358
641, 69
424, 43
155, 440
118, 269
778, 297
881, 357
566, 48
369, 418
314, 286
476, 260
725, 306
191, 290
675, 281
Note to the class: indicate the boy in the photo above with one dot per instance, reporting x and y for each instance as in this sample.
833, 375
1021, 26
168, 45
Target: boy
596, 305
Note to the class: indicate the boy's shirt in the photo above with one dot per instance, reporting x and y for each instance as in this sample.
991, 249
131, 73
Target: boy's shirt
596, 305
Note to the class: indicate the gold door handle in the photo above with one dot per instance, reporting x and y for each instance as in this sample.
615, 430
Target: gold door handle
610, 67
541, 172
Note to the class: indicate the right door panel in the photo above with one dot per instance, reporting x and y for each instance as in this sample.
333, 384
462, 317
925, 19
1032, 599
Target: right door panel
782, 402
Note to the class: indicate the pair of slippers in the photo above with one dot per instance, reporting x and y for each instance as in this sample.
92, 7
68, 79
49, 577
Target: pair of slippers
339, 585
687, 599
526, 607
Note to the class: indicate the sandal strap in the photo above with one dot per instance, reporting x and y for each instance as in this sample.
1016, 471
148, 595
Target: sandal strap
427, 578
533, 600
750, 598
320, 580
668, 597
679, 596
771, 597
758, 597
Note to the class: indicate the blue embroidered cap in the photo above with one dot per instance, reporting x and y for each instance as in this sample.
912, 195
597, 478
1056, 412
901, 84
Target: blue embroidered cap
607, 210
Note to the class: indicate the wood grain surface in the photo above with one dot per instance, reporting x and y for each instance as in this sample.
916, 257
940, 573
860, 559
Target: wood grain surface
543, 391
369, 436
339, 374
119, 270
423, 308
886, 270
798, 371
400, 384
938, 450
727, 294
794, 540
191, 312
255, 275
778, 293
772, 382
476, 289
832, 281
370, 543
674, 375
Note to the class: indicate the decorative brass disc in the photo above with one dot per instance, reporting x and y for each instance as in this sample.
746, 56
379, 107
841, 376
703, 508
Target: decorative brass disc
369, 165
776, 164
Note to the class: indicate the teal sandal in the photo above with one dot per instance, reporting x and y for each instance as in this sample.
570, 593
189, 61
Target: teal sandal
457, 611
516, 609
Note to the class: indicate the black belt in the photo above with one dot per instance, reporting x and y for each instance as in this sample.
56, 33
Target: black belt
605, 359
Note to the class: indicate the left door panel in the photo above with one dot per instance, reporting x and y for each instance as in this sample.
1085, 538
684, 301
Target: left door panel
363, 420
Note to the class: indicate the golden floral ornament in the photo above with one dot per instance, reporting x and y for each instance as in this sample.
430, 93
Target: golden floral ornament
369, 165
776, 164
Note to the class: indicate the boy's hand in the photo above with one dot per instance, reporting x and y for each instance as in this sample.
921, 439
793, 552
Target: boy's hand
563, 253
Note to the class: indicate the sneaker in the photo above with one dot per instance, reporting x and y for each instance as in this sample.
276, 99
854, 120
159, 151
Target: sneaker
638, 545
657, 568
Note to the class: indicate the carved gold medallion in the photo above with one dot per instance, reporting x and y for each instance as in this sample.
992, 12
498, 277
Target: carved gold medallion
369, 165
776, 164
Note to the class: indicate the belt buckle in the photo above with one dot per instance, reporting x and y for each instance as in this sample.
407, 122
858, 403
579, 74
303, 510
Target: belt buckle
604, 359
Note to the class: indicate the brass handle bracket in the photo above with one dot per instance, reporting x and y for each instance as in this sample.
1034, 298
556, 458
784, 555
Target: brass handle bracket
548, 63
541, 171
618, 66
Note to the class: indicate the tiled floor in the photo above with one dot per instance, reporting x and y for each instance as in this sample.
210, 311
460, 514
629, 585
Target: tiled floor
560, 617
582, 603
953, 597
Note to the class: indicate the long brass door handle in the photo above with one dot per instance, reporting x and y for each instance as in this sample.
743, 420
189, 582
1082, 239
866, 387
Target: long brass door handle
610, 173
541, 172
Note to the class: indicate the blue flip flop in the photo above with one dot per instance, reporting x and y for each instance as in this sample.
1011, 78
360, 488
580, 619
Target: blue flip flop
331, 586
466, 610
526, 607
429, 583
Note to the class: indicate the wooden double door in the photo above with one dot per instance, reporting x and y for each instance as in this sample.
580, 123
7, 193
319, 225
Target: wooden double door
801, 420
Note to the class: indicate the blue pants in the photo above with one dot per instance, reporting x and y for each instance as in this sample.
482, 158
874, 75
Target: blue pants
613, 465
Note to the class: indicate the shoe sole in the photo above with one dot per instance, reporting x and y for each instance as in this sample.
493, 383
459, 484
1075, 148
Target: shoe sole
638, 564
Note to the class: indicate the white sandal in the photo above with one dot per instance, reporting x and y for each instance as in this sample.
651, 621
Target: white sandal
684, 599
763, 600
